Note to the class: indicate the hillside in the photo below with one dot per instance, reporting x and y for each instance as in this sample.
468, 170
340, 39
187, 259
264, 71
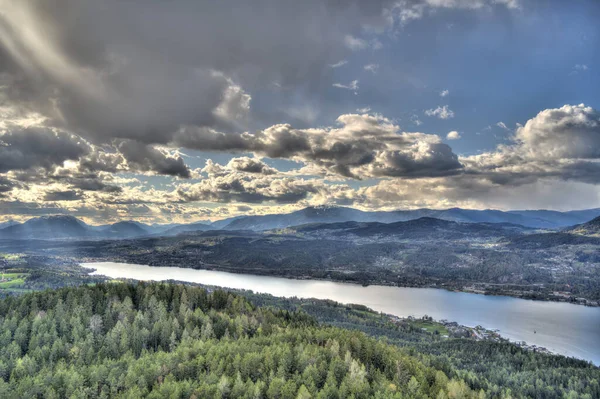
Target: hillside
424, 228
590, 229
161, 341
167, 340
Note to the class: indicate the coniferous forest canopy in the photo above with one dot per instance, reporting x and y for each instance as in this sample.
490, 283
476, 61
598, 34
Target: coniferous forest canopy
177, 341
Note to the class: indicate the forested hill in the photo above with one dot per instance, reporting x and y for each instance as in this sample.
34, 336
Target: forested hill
174, 341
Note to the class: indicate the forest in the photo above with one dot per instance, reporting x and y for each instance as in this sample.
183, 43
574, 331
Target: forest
169, 340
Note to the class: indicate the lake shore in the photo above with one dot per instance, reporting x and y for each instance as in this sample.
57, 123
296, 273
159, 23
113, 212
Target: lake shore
534, 292
516, 319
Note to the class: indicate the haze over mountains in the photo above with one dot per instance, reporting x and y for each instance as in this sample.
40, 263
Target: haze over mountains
61, 226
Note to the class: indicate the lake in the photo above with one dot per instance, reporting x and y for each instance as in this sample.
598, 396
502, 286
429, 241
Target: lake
564, 328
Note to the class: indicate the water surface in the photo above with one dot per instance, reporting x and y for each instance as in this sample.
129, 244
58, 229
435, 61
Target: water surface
568, 329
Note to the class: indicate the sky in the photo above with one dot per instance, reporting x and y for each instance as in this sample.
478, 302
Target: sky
191, 110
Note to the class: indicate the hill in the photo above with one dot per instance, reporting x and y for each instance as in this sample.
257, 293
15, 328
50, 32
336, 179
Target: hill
168, 340
174, 341
424, 228
591, 228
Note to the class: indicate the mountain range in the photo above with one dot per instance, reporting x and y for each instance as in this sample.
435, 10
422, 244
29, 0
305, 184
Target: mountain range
541, 219
61, 226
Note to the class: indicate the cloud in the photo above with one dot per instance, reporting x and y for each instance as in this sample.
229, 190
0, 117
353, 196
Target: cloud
579, 68
241, 164
453, 135
415, 120
350, 86
234, 184
560, 143
355, 43
502, 125
409, 10
476, 193
251, 165
338, 64
25, 148
245, 188
106, 71
69, 195
146, 158
373, 68
444, 93
569, 132
361, 145
441, 112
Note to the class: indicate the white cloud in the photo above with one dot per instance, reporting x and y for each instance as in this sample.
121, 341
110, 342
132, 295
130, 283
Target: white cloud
407, 11
355, 43
579, 68
376, 44
415, 120
444, 93
350, 86
373, 68
502, 125
453, 135
572, 131
442, 112
338, 64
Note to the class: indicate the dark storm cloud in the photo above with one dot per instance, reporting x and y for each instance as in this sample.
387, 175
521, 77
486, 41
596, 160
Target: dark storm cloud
7, 185
139, 70
359, 146
68, 195
145, 158
24, 148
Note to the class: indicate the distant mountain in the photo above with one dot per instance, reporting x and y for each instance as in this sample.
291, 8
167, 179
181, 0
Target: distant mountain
8, 223
303, 216
124, 230
185, 228
47, 227
61, 226
560, 219
533, 219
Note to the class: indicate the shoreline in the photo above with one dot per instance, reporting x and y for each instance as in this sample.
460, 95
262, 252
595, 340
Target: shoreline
468, 287
476, 333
